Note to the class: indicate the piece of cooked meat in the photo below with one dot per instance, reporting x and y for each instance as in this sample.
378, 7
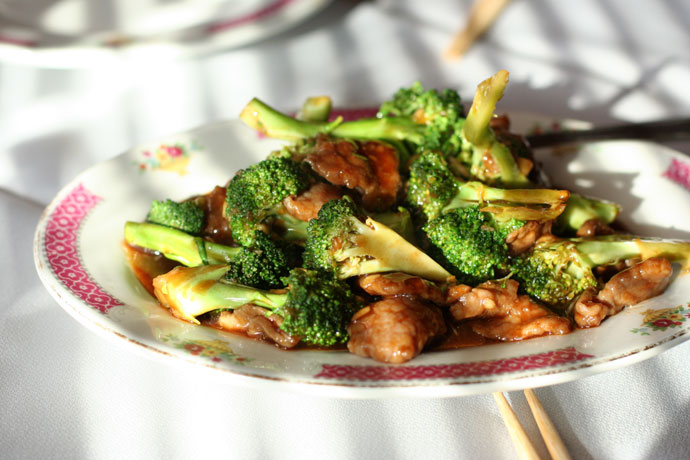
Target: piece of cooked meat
252, 320
370, 168
593, 227
642, 281
394, 330
306, 205
514, 328
385, 164
522, 239
392, 284
502, 314
489, 299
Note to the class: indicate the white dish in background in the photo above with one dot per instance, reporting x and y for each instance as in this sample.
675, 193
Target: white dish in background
82, 33
79, 258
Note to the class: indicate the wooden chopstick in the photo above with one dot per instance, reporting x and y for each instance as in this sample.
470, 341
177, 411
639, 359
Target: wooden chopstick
552, 439
524, 446
482, 15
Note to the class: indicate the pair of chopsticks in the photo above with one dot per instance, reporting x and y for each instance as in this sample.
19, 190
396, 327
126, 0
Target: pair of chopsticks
524, 446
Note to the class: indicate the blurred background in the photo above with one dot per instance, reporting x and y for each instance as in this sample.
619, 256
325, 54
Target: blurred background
82, 81
600, 61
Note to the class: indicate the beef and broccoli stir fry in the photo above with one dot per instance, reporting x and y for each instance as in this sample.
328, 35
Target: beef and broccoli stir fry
390, 235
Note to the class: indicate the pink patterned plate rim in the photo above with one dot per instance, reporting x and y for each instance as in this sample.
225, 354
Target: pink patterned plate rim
79, 258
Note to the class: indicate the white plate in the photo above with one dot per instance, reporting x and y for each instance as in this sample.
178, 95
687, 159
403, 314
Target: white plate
78, 33
79, 258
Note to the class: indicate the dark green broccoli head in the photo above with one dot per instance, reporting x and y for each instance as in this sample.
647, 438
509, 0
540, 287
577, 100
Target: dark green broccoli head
265, 184
472, 243
554, 273
441, 112
183, 216
244, 226
265, 263
431, 184
338, 221
254, 196
318, 307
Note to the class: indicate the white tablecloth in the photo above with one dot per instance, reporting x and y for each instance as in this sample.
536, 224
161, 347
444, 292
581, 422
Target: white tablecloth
68, 393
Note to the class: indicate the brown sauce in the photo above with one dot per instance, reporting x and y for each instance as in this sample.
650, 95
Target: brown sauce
460, 336
146, 265
216, 223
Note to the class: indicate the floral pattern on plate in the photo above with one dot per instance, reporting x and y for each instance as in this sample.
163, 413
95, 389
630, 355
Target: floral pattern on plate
663, 319
168, 157
214, 350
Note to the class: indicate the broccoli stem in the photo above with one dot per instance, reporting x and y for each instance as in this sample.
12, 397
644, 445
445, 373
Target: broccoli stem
505, 204
391, 129
292, 229
510, 174
579, 209
317, 108
178, 245
193, 292
269, 121
265, 119
479, 134
605, 250
400, 222
476, 128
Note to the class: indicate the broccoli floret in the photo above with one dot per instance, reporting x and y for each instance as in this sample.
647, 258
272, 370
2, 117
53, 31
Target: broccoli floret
433, 189
315, 307
318, 308
184, 216
261, 265
441, 113
554, 273
344, 242
254, 199
468, 222
557, 271
579, 209
264, 184
471, 243
431, 185
265, 263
